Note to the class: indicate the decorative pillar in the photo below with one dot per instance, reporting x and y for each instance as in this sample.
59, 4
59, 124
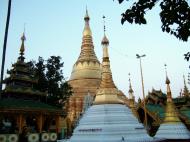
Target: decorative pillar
40, 123
20, 123
57, 120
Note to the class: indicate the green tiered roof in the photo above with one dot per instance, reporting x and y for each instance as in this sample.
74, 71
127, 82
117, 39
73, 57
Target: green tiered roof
185, 112
158, 110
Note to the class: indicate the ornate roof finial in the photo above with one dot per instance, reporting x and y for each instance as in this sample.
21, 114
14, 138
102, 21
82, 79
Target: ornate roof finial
169, 94
130, 87
104, 24
86, 17
167, 79
105, 40
87, 31
23, 38
185, 89
22, 48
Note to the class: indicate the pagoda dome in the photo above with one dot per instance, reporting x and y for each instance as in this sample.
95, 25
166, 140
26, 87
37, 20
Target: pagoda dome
86, 69
87, 65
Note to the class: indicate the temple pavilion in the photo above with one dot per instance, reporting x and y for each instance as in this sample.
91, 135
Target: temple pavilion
24, 115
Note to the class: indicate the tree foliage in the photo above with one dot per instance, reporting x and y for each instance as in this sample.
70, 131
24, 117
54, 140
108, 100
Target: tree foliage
174, 15
54, 74
40, 74
51, 80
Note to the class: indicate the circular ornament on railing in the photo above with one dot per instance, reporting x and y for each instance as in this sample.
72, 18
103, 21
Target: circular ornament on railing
53, 136
33, 138
13, 138
45, 137
2, 138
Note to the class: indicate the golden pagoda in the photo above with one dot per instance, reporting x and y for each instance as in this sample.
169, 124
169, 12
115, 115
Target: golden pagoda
85, 76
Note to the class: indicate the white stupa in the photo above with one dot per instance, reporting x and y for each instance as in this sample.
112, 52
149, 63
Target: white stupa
108, 119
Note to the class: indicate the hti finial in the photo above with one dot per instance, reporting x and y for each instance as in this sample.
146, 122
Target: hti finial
104, 24
105, 40
184, 80
24, 27
165, 66
22, 48
167, 79
23, 38
130, 87
129, 78
86, 10
86, 18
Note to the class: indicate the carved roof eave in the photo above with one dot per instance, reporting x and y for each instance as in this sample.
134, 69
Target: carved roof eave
24, 91
87, 60
29, 111
26, 79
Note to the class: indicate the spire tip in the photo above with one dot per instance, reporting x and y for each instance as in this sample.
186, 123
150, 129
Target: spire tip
105, 39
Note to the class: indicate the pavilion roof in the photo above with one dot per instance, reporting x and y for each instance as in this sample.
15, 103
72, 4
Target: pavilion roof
11, 104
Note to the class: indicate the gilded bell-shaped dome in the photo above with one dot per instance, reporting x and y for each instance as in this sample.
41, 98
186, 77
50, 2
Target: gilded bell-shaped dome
87, 65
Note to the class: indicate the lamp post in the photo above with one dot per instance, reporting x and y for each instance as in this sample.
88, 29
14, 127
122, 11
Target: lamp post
139, 57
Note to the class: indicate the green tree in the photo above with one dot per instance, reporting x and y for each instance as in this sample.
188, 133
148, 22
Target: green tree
54, 74
58, 89
51, 80
40, 74
174, 15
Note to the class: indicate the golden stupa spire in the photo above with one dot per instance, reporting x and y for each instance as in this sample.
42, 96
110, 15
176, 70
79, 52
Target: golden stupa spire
171, 114
87, 48
107, 92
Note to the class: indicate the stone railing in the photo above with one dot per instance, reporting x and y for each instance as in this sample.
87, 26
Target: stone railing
32, 137
9, 137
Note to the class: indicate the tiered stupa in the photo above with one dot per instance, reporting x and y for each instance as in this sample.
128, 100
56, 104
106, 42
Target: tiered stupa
85, 76
172, 129
108, 119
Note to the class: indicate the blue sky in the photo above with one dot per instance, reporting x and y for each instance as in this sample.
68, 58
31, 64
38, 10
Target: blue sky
55, 28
